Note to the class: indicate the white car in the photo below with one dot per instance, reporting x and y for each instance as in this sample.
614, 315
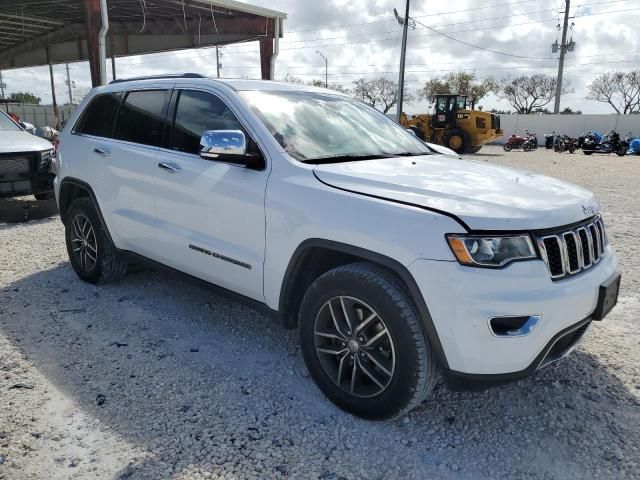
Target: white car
396, 264
26, 162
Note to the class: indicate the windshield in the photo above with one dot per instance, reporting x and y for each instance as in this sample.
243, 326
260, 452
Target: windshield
313, 126
8, 125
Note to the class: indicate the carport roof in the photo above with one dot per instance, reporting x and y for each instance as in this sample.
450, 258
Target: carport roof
37, 32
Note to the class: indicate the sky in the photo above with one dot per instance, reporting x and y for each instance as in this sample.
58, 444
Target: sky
362, 39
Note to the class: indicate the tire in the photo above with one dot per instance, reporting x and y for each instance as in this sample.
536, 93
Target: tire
621, 152
572, 149
526, 147
83, 221
507, 147
44, 196
457, 140
403, 352
475, 149
587, 152
419, 133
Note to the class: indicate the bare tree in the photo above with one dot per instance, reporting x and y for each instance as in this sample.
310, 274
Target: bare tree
529, 93
619, 89
461, 83
380, 93
317, 83
79, 93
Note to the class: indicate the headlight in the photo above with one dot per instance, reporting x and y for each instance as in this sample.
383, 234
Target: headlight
491, 251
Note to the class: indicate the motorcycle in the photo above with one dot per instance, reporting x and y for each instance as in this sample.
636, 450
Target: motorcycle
533, 139
564, 143
634, 146
549, 139
610, 143
516, 141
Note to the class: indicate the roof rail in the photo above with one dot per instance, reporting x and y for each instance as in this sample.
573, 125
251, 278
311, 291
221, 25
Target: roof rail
155, 77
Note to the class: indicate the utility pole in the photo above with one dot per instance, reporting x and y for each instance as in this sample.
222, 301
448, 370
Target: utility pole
217, 62
563, 49
2, 85
326, 69
402, 59
69, 85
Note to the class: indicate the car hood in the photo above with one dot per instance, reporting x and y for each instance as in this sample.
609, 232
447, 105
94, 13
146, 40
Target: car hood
22, 142
482, 195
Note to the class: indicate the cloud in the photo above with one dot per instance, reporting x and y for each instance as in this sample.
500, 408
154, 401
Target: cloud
605, 34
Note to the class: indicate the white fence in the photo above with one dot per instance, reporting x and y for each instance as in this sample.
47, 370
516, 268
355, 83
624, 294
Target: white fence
40, 115
572, 125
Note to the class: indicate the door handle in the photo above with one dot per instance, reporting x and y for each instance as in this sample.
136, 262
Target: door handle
169, 167
101, 151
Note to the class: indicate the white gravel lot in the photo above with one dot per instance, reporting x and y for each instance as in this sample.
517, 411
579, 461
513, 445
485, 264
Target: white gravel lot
156, 377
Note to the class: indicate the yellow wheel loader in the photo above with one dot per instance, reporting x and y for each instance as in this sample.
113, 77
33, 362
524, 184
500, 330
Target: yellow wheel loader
454, 126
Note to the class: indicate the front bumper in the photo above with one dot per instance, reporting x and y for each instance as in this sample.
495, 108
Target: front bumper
462, 299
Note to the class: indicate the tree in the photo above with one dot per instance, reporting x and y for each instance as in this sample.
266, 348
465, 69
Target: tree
25, 97
380, 92
79, 93
461, 83
527, 94
619, 89
317, 83
570, 111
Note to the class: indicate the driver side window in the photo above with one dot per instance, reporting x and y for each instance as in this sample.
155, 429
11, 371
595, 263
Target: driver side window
195, 113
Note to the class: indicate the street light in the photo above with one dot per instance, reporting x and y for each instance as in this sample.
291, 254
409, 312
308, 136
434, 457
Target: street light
326, 69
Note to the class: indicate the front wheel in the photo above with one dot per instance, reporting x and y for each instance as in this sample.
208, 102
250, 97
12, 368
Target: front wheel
457, 140
621, 151
363, 342
507, 147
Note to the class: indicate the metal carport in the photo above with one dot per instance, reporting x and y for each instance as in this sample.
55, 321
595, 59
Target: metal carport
41, 32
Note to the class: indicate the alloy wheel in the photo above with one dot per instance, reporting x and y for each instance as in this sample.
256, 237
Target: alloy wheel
354, 346
83, 242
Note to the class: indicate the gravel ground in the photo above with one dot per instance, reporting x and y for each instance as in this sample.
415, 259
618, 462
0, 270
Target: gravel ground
155, 377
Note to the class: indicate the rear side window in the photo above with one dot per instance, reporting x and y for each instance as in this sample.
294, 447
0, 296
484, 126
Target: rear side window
98, 116
141, 117
196, 113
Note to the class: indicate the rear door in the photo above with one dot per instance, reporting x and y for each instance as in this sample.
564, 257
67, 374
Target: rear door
210, 214
121, 144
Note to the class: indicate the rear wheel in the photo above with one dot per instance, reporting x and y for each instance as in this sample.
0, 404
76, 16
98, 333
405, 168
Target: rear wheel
457, 140
363, 342
526, 147
622, 151
93, 257
587, 152
507, 147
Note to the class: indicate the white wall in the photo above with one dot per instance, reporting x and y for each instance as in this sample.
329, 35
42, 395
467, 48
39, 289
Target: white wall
572, 125
40, 115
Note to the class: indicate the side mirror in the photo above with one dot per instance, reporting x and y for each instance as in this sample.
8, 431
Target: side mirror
23, 125
410, 130
222, 144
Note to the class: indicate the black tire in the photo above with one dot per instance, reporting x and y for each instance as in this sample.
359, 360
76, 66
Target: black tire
414, 371
622, 151
464, 141
507, 147
419, 133
587, 152
526, 147
108, 266
44, 196
474, 149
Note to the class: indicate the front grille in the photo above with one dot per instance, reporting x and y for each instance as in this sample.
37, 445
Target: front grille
568, 252
16, 166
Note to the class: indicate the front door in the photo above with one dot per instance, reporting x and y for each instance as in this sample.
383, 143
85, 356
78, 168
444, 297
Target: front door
210, 214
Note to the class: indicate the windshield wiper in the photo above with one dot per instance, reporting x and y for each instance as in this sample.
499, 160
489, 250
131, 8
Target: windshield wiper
409, 154
346, 158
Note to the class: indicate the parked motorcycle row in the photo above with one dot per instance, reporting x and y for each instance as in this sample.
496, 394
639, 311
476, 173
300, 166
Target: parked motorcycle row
591, 142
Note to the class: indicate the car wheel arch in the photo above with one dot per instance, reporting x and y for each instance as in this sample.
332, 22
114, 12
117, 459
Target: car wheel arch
315, 256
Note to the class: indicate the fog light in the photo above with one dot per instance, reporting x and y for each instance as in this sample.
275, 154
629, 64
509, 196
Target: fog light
513, 326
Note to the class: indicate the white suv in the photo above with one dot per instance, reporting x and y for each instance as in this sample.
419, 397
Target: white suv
396, 264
